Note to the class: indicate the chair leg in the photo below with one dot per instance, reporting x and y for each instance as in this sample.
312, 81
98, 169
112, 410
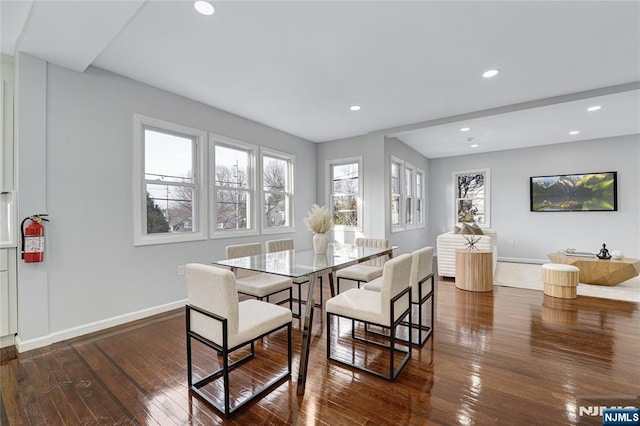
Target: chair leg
189, 362
331, 287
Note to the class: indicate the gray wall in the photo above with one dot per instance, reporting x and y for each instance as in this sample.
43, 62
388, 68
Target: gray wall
410, 239
537, 234
371, 148
75, 163
376, 152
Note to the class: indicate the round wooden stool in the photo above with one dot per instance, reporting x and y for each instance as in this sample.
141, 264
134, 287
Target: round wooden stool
560, 280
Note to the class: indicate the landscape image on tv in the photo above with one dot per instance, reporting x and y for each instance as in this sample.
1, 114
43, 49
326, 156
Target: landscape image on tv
578, 192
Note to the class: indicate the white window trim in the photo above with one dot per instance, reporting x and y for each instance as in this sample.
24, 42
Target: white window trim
487, 194
290, 190
252, 179
420, 196
329, 191
141, 238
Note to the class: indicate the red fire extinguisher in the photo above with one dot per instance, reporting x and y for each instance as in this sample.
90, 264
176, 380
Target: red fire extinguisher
33, 238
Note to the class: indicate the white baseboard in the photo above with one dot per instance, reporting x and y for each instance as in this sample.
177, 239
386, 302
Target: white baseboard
523, 260
58, 336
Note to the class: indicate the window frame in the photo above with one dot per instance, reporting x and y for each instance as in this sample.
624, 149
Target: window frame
289, 191
199, 172
420, 199
329, 165
399, 226
409, 196
486, 198
253, 150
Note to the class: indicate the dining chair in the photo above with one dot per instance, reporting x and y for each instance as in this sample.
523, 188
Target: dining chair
422, 290
258, 284
366, 271
386, 308
216, 319
287, 244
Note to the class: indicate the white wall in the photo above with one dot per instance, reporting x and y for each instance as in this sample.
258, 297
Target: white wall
537, 234
80, 172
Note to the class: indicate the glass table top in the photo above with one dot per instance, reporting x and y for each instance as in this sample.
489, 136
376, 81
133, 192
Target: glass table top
298, 263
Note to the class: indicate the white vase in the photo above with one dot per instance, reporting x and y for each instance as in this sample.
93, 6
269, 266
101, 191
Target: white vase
320, 242
320, 261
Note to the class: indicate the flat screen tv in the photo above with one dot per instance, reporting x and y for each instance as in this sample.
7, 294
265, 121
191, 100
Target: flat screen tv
573, 193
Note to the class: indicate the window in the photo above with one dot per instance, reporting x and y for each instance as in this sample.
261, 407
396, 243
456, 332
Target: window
472, 196
277, 187
233, 185
169, 199
420, 198
407, 196
190, 185
344, 192
396, 193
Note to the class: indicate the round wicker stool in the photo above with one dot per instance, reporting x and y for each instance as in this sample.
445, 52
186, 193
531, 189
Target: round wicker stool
560, 280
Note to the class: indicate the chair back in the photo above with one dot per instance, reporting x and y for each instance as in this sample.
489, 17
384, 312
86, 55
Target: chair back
421, 267
279, 245
214, 290
395, 278
242, 250
377, 243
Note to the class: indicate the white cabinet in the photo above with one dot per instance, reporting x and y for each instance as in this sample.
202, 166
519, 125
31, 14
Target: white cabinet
4, 294
8, 226
8, 297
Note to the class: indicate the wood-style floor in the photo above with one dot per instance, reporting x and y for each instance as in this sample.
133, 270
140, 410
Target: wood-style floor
513, 357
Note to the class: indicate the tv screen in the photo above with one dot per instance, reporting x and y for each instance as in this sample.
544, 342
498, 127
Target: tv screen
573, 193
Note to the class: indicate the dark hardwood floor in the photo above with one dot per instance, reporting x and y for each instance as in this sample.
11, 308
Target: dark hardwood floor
512, 357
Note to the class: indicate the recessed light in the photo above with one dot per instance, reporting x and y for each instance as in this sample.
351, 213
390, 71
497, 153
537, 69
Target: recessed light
204, 7
574, 132
465, 129
490, 73
355, 108
594, 108
475, 145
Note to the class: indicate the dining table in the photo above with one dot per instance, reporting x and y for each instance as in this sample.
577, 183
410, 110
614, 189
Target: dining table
306, 263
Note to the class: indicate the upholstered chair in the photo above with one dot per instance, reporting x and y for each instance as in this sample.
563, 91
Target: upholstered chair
386, 308
422, 291
366, 271
258, 284
287, 244
220, 323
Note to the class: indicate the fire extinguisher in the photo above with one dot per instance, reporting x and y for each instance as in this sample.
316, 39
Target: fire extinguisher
33, 238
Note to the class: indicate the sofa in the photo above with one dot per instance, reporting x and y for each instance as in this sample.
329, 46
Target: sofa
449, 242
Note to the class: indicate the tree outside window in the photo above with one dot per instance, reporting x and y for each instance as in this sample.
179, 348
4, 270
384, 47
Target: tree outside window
345, 190
169, 181
277, 191
472, 195
169, 197
232, 188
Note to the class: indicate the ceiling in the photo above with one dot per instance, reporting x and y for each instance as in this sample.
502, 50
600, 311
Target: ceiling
414, 67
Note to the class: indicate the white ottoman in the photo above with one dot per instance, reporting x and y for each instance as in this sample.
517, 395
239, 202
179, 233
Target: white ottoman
560, 280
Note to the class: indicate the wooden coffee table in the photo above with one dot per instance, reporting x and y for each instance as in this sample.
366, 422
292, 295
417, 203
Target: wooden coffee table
600, 271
